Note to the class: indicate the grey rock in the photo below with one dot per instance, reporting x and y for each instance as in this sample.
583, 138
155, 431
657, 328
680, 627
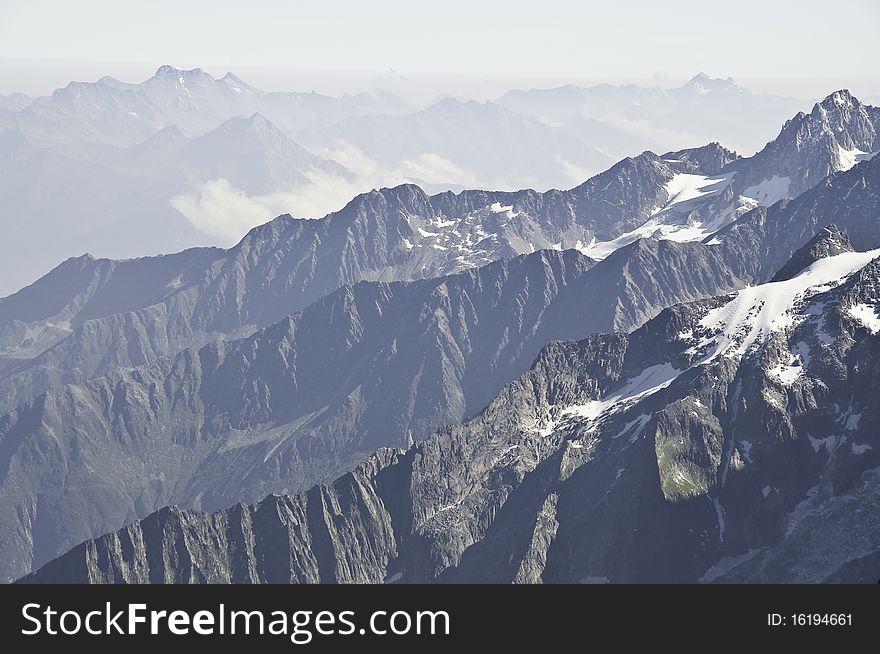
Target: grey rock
828, 242
698, 467
372, 365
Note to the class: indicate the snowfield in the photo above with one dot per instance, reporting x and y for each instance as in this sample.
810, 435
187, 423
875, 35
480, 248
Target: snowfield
685, 192
733, 329
849, 158
755, 312
866, 314
770, 191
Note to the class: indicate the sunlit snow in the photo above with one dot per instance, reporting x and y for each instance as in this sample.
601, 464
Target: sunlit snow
770, 191
684, 193
849, 158
648, 382
786, 375
866, 314
497, 208
757, 311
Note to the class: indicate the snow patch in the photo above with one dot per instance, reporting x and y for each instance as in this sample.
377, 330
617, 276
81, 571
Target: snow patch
755, 312
866, 314
685, 187
849, 419
635, 426
770, 191
849, 158
684, 193
786, 375
829, 443
648, 382
802, 353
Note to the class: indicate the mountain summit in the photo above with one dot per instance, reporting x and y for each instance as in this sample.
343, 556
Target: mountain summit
701, 84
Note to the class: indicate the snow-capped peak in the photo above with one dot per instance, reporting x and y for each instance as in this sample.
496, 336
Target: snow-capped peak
702, 84
235, 83
167, 74
756, 312
841, 98
684, 193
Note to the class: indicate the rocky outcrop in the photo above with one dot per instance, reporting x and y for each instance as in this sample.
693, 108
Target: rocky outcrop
828, 242
725, 440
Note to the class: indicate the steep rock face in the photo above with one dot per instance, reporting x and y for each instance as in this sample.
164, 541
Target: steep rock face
157, 306
760, 242
621, 292
646, 276
373, 365
723, 441
838, 133
97, 315
711, 159
829, 242
295, 402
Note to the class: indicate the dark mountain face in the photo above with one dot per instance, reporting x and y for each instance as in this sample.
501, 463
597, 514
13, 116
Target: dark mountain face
761, 241
711, 159
830, 241
373, 365
97, 315
838, 133
730, 439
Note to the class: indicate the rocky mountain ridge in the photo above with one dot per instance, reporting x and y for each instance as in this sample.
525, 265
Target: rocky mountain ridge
719, 442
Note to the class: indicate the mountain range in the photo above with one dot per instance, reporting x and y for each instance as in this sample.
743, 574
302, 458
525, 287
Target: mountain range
212, 377
116, 156
732, 439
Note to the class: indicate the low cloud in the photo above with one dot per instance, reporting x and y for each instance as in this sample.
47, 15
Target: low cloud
576, 174
225, 213
219, 210
435, 169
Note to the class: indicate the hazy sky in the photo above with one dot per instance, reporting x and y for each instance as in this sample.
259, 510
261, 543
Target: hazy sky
789, 46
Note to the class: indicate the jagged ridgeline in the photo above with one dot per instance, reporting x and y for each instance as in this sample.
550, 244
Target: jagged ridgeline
213, 377
732, 439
